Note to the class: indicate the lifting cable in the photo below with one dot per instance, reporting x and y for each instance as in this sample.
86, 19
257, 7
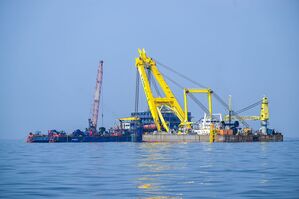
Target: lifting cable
192, 81
152, 81
233, 112
200, 85
156, 87
222, 102
174, 82
199, 103
241, 120
248, 107
179, 74
203, 107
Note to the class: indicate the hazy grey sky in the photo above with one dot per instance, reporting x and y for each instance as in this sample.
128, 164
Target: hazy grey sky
50, 50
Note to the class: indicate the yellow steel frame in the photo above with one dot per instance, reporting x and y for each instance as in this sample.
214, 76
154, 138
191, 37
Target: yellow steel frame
193, 90
233, 117
264, 113
142, 63
129, 119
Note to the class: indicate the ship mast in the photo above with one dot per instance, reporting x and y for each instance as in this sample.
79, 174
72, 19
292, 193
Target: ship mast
96, 102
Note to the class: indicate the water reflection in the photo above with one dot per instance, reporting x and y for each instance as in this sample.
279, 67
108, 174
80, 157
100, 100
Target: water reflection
156, 165
149, 170
264, 178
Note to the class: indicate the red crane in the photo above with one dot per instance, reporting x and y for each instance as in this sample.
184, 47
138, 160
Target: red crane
96, 102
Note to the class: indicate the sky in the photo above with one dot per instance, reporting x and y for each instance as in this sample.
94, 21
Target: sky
50, 51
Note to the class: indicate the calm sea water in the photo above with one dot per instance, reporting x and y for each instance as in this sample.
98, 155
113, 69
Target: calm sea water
149, 170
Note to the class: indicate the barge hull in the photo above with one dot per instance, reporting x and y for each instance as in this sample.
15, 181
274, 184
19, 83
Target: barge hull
126, 138
205, 138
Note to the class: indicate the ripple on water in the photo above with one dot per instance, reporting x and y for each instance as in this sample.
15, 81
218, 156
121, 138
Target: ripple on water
149, 170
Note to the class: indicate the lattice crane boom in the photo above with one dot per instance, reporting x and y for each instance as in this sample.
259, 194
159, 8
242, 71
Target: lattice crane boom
96, 101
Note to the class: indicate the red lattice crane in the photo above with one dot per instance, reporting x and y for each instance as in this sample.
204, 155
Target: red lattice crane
96, 102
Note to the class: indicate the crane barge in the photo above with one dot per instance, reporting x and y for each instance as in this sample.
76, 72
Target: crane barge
166, 120
212, 127
91, 134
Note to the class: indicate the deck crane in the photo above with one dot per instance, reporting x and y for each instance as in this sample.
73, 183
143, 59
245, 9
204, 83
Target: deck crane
146, 64
96, 101
263, 117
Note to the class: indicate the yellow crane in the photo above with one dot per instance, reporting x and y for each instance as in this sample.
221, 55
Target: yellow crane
263, 117
144, 64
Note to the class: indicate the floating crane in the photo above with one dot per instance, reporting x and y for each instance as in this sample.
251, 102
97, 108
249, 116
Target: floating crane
96, 101
148, 71
146, 65
263, 117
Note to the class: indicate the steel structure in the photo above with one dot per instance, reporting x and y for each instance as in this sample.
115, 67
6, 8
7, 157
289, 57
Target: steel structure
146, 64
263, 117
193, 90
96, 101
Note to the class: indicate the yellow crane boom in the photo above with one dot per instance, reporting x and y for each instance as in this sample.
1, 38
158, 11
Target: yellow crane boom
264, 113
143, 63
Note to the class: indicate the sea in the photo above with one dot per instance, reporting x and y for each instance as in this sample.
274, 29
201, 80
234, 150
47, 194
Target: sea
149, 170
